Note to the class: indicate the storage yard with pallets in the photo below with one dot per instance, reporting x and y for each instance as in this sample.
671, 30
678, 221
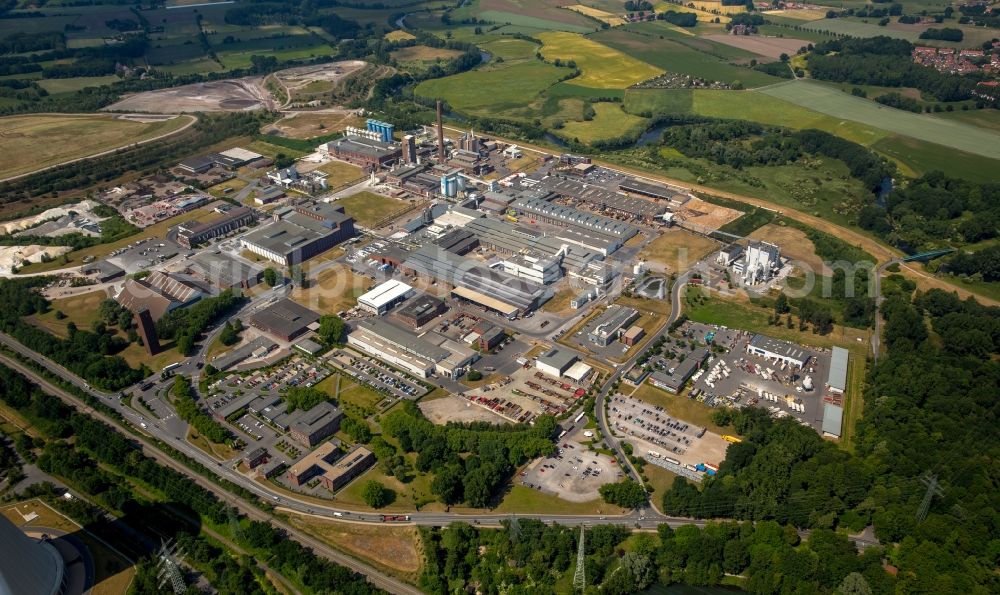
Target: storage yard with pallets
525, 395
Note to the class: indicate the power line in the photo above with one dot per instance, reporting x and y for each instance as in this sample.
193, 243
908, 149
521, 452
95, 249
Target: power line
933, 489
579, 576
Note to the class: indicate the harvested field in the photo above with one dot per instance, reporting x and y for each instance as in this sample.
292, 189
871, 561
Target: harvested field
678, 250
602, 67
232, 95
794, 244
539, 14
30, 143
801, 14
423, 53
399, 36
772, 47
455, 408
705, 214
607, 17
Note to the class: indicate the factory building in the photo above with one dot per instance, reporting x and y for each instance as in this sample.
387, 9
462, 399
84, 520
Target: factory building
409, 149
761, 261
492, 289
611, 324
837, 380
228, 220
284, 319
729, 255
367, 153
332, 470
633, 335
596, 272
312, 426
776, 349
557, 214
673, 196
421, 310
507, 239
674, 378
300, 232
604, 200
384, 130
534, 266
384, 297
421, 356
555, 362
223, 271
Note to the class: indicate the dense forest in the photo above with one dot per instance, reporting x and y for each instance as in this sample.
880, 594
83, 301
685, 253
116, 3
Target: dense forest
885, 62
935, 211
930, 408
470, 462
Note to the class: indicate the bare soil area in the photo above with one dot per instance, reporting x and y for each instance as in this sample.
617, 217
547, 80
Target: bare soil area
454, 408
706, 214
772, 47
231, 95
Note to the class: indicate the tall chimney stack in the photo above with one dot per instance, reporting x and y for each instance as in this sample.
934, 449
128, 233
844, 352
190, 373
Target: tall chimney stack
440, 126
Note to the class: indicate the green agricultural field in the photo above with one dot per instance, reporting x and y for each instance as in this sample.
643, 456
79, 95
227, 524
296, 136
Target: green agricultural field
35, 26
832, 102
609, 122
814, 36
862, 29
521, 20
33, 142
915, 157
748, 105
678, 55
55, 86
510, 49
601, 67
980, 118
493, 89
242, 59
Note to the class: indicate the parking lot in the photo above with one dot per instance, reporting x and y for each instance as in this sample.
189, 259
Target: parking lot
143, 254
573, 473
657, 434
377, 374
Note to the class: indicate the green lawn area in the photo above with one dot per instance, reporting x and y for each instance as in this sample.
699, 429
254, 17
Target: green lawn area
524, 20
369, 208
980, 118
55, 86
340, 173
509, 48
917, 157
228, 187
738, 315
861, 29
525, 500
82, 310
358, 394
493, 89
242, 58
609, 122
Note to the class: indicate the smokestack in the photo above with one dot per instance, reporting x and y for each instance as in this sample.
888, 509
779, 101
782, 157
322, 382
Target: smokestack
440, 133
